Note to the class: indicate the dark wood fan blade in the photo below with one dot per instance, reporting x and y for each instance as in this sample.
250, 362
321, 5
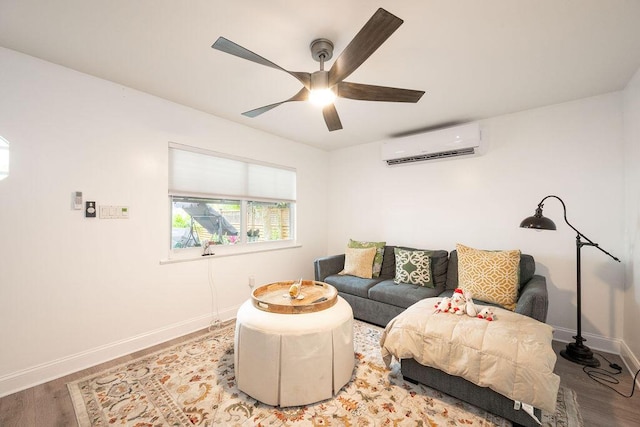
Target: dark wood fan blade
378, 29
227, 46
331, 117
377, 93
256, 112
302, 95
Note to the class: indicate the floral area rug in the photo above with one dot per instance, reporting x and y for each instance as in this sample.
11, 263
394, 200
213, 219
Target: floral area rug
193, 384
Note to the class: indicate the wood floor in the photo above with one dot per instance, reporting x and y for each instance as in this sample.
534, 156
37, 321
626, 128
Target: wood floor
49, 404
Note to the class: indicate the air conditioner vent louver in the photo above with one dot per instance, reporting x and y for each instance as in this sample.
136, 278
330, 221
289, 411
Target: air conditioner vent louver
455, 141
432, 156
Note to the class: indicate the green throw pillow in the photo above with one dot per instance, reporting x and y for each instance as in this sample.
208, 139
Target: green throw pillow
377, 260
413, 267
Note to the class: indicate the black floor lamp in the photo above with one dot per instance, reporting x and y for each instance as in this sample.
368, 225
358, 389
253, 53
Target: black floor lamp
576, 351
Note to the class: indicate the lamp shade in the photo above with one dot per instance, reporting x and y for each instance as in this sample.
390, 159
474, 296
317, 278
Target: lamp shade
538, 222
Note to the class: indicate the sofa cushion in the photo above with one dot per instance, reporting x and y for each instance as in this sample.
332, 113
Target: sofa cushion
489, 275
388, 270
401, 295
413, 267
359, 262
352, 285
377, 260
527, 268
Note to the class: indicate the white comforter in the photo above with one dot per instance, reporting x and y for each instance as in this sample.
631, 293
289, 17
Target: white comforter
511, 355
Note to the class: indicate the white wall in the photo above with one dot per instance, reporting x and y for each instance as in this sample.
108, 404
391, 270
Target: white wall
76, 291
572, 150
632, 230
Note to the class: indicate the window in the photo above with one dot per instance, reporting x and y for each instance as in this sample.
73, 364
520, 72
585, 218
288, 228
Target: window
4, 158
197, 220
228, 201
268, 221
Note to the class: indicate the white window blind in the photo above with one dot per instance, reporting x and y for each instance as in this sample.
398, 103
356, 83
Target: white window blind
194, 171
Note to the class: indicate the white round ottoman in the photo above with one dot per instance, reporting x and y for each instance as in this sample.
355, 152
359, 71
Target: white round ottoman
293, 359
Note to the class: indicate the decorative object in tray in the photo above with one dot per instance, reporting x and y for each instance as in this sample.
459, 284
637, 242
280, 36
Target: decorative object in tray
294, 290
294, 297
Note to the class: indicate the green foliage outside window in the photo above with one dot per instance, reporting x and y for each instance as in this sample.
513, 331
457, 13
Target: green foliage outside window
180, 221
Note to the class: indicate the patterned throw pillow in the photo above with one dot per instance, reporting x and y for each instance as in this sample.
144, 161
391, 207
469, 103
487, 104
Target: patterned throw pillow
377, 260
490, 276
359, 262
413, 267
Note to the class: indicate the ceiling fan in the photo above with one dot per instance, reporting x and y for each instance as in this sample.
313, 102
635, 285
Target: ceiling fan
326, 85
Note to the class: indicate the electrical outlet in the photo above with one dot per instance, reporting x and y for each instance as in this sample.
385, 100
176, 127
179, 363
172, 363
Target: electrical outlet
252, 281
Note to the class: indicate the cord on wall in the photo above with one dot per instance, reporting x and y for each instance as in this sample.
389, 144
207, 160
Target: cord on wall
215, 321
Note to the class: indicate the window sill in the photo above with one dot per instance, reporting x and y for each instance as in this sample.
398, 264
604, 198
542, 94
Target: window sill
252, 248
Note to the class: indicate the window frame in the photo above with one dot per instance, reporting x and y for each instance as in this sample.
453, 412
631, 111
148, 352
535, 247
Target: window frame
243, 245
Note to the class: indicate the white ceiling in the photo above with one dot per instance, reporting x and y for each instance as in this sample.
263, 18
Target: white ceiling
475, 59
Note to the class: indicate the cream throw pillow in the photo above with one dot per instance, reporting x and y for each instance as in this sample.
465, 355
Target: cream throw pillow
377, 260
490, 276
359, 262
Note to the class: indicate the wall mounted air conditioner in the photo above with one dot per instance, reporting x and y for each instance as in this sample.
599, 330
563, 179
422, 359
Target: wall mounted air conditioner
455, 141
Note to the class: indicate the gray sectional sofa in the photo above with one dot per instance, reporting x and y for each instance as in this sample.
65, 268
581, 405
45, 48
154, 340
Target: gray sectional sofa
379, 300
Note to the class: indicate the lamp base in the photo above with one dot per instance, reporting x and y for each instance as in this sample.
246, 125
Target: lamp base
579, 353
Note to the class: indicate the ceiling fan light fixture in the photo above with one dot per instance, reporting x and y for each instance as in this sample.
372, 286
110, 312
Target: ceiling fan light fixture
321, 94
322, 97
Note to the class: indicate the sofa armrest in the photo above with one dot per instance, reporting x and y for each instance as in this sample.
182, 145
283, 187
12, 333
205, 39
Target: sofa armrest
328, 266
534, 299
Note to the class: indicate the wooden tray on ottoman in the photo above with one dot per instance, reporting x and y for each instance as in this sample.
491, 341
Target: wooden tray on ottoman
314, 296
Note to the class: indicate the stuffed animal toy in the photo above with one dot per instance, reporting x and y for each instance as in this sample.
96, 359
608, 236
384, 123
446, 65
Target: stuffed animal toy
444, 305
458, 302
487, 313
470, 307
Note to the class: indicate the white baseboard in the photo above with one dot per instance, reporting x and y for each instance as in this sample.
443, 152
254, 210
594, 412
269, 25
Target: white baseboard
631, 361
39, 374
594, 342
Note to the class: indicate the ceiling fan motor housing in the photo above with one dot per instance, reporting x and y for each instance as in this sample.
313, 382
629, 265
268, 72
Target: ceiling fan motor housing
319, 80
321, 50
